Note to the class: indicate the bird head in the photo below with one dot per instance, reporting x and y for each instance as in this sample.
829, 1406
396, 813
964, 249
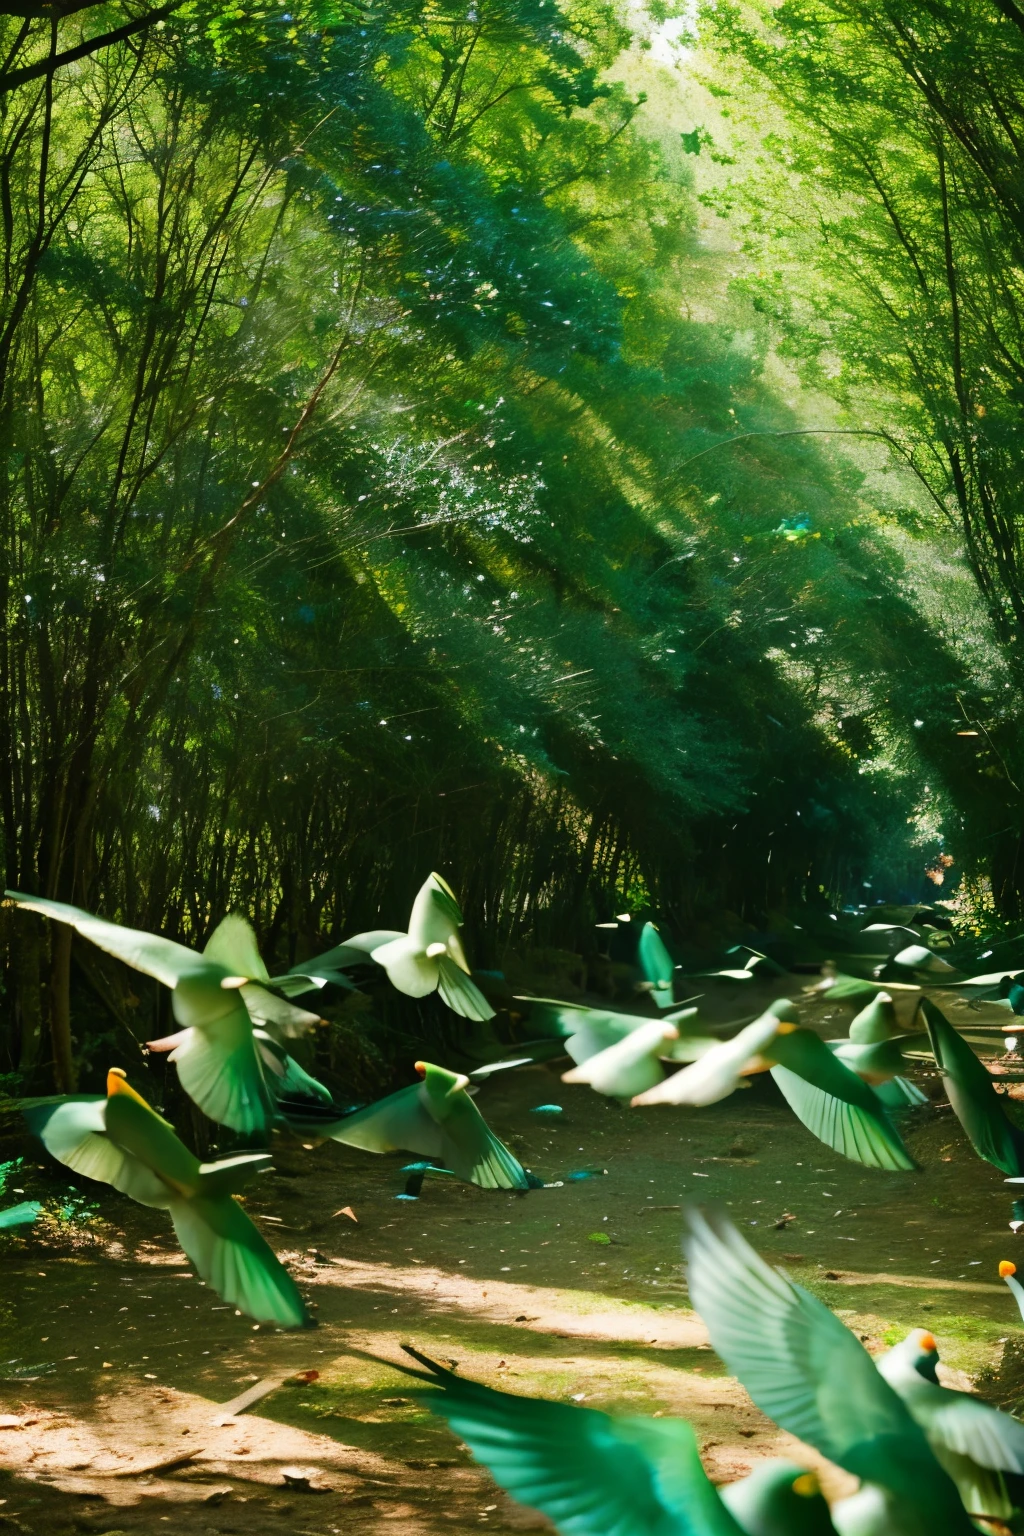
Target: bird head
1006, 1268
117, 1082
923, 1351
438, 1082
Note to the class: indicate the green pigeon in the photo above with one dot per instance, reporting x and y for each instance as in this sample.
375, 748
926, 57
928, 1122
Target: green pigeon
631, 1065
993, 986
657, 966
756, 964
430, 957
121, 1140
588, 1031
810, 1374
838, 987
1007, 1272
972, 1094
214, 996
593, 1474
778, 1498
981, 1448
718, 1072
918, 957
830, 1100
876, 1021
437, 1119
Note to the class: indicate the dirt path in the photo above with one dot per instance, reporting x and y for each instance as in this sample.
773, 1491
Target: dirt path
115, 1363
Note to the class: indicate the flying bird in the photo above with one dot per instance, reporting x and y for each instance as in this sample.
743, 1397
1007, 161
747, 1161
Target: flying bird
631, 1065
657, 966
829, 1099
437, 1119
917, 957
430, 957
972, 1094
981, 1448
811, 1375
596, 1475
121, 1140
215, 995
1007, 1272
587, 1031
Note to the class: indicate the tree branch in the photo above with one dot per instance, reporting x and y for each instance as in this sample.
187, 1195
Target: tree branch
12, 78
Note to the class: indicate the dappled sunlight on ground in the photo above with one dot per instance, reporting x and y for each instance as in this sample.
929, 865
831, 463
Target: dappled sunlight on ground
118, 1363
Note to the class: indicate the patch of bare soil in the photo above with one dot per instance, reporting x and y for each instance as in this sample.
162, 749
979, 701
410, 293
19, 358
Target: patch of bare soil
116, 1364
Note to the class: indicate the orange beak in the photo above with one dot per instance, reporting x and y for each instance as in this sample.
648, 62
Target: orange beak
117, 1082
420, 1067
1006, 1268
928, 1343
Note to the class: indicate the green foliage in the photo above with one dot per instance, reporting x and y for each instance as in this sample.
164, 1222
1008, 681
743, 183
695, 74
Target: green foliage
356, 517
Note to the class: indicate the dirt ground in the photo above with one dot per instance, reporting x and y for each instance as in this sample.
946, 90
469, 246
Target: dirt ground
116, 1364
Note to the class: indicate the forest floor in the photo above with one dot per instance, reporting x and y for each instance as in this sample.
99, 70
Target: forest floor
112, 1414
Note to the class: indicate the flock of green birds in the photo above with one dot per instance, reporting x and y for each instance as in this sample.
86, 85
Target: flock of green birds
928, 1459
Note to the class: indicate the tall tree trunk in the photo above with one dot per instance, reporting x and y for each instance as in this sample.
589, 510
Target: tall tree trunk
64, 1074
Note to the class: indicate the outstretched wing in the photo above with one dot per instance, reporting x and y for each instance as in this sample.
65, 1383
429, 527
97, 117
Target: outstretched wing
75, 1133
167, 961
801, 1366
470, 1148
973, 1096
235, 1260
834, 1103
657, 965
232, 944
970, 1427
592, 1475
399, 1123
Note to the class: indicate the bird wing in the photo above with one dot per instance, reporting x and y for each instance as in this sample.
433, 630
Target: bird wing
971, 1092
232, 944
283, 1016
408, 969
470, 1148
435, 917
834, 1103
287, 1078
958, 1422
162, 958
353, 951
799, 1363
592, 1475
657, 964
399, 1123
236, 1261
219, 1069
899, 1093
75, 1133
460, 992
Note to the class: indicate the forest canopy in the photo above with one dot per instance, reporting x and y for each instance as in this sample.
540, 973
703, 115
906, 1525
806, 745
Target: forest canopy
425, 444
